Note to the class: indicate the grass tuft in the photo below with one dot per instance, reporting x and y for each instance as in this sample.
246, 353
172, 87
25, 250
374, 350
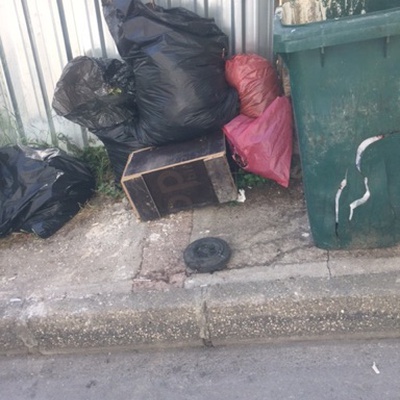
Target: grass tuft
245, 179
96, 158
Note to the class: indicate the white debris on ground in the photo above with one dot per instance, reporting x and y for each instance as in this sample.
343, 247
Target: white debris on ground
241, 196
375, 368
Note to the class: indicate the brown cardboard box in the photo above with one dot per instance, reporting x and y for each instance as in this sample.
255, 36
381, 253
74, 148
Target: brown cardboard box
167, 179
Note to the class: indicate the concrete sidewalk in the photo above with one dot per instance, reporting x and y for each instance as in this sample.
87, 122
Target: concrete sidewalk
107, 280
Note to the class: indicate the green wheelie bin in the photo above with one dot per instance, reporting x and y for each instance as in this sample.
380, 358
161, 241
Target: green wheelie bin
345, 88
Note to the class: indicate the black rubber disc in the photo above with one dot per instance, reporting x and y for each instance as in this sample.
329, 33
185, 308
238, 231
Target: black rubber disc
207, 255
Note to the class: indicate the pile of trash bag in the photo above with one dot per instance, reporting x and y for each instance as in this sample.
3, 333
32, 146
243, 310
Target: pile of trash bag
40, 189
261, 136
170, 87
176, 83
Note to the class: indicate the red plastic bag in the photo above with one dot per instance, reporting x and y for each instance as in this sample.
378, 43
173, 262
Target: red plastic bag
263, 145
256, 81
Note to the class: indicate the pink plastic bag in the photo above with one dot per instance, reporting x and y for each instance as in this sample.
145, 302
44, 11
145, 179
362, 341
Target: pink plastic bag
263, 145
256, 81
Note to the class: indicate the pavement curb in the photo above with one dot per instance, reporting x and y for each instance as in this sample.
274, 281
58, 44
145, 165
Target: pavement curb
294, 308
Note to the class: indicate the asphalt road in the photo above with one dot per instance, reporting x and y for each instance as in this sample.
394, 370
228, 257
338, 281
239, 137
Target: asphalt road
305, 371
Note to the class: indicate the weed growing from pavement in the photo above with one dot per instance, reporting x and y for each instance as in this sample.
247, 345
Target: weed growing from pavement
97, 160
7, 128
246, 180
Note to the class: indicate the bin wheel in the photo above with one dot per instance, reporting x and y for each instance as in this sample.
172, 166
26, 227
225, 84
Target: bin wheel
207, 255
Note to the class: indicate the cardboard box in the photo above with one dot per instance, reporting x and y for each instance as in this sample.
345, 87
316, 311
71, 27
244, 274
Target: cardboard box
167, 179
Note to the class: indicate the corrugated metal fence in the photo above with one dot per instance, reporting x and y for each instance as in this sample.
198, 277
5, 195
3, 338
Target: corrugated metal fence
38, 37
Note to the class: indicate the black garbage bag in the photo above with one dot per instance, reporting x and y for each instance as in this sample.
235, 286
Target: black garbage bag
179, 64
120, 141
96, 92
40, 189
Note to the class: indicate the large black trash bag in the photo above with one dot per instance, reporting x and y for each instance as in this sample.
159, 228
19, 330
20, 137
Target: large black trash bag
96, 93
179, 64
120, 141
40, 189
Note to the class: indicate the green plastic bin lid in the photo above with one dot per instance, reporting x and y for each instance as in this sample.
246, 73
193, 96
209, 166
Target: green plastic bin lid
294, 38
381, 5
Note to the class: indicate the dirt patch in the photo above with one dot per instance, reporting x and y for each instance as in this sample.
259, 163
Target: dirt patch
162, 258
105, 247
99, 246
81, 219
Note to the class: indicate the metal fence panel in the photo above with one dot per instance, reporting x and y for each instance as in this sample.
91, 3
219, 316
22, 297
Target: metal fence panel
38, 37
